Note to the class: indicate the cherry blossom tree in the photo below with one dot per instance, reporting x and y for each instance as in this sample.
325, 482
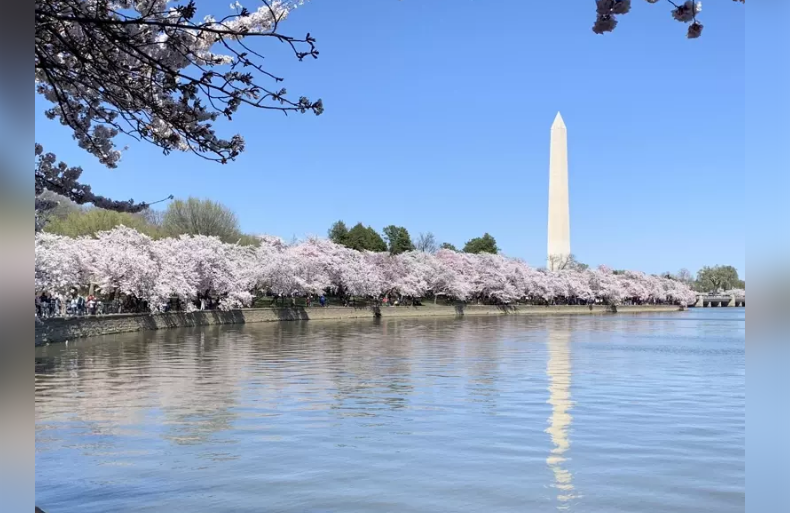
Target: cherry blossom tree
539, 286
634, 286
224, 270
187, 267
315, 265
60, 263
361, 276
492, 278
178, 273
274, 271
571, 285
123, 259
605, 285
419, 269
391, 271
455, 278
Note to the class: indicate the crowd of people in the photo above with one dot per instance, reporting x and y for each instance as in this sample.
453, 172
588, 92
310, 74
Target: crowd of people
76, 304
49, 305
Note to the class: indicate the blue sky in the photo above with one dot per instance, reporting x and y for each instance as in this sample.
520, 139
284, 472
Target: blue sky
437, 118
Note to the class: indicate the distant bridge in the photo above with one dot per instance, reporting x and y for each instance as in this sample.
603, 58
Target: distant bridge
714, 300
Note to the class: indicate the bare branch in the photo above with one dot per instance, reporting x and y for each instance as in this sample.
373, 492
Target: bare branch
63, 180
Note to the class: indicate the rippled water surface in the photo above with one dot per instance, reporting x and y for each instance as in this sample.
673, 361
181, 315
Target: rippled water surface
589, 414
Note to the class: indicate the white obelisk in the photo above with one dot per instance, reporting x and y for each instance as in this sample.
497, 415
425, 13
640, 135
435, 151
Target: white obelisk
559, 247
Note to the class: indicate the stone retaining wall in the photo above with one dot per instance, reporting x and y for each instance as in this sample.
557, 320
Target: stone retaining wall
60, 330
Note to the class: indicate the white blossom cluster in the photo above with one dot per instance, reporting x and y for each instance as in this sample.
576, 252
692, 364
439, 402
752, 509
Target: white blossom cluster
127, 261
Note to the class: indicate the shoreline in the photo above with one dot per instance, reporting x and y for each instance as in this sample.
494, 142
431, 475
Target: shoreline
64, 329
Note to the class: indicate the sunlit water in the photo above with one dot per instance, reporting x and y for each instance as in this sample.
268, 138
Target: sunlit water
640, 413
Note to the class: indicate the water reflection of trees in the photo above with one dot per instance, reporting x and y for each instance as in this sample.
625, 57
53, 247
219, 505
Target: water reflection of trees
371, 369
198, 391
558, 370
349, 368
112, 388
192, 381
91, 385
483, 360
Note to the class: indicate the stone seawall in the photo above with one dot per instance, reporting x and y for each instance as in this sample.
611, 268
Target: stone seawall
60, 330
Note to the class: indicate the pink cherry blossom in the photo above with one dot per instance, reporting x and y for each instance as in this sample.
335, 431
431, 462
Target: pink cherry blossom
131, 263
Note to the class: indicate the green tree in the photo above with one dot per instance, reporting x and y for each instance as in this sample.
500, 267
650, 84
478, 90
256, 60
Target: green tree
447, 245
363, 238
357, 238
375, 242
484, 244
398, 238
194, 216
88, 222
338, 232
711, 279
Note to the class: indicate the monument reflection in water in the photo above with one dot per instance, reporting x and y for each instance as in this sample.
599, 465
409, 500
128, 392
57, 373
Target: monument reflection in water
558, 370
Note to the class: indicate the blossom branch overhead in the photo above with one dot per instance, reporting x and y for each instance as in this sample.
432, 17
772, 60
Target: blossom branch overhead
607, 12
150, 70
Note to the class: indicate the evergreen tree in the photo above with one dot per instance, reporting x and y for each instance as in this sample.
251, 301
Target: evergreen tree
363, 238
399, 239
374, 241
484, 244
338, 233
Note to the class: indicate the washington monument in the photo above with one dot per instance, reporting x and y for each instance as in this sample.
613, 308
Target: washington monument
559, 246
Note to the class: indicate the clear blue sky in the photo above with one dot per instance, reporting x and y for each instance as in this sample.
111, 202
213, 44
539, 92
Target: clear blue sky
437, 118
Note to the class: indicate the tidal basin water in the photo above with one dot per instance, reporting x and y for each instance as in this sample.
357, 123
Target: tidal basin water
637, 413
